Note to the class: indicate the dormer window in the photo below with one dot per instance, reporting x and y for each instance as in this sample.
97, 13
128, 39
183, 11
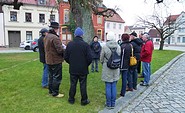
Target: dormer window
42, 2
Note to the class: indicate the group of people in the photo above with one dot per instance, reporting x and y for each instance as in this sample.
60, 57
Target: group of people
79, 55
142, 49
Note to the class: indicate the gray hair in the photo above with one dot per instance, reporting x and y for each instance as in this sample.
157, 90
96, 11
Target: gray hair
147, 36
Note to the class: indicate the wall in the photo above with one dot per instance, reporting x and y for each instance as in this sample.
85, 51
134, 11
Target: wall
2, 43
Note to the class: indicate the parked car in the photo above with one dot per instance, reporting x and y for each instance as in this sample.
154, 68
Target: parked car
26, 44
34, 45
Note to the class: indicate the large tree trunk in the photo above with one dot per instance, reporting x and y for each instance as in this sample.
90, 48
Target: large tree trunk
83, 18
161, 44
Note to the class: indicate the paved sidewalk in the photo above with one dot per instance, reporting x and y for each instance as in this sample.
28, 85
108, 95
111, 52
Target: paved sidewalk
14, 50
165, 92
166, 95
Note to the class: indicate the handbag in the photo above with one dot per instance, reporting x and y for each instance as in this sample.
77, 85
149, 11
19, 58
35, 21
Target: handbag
133, 60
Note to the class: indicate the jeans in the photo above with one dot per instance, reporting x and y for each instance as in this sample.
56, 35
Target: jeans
94, 62
124, 75
110, 89
45, 75
146, 72
83, 87
55, 77
133, 73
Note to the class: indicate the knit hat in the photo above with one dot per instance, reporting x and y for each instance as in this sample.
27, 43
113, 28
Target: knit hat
78, 32
134, 34
110, 36
54, 25
43, 30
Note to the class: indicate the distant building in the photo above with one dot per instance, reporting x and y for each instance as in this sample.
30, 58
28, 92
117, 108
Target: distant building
25, 24
2, 38
155, 36
178, 37
114, 24
138, 29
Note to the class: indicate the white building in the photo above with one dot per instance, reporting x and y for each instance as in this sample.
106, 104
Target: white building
114, 24
178, 37
25, 24
2, 30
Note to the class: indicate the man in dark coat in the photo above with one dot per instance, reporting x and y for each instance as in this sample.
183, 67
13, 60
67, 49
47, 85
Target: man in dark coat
78, 56
136, 44
54, 53
43, 32
95, 49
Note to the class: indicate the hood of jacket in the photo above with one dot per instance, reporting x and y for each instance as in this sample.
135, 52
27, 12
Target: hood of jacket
111, 44
138, 41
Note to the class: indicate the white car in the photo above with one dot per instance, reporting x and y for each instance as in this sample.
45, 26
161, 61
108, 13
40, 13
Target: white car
26, 44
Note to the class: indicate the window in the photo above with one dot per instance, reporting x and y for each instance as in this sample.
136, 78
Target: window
28, 35
28, 17
108, 25
173, 40
183, 40
120, 26
114, 25
13, 16
99, 19
42, 2
65, 0
178, 39
157, 40
66, 16
181, 30
52, 18
42, 18
99, 33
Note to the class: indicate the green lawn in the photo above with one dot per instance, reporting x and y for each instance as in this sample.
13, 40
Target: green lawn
21, 92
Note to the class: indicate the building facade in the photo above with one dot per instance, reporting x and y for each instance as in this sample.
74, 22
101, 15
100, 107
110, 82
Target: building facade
114, 24
25, 23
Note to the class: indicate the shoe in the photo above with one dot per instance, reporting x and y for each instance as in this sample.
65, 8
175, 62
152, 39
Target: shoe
135, 88
129, 89
71, 102
59, 95
83, 103
141, 76
108, 107
97, 71
45, 87
143, 84
122, 95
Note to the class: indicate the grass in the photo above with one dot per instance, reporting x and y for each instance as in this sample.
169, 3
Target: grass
21, 90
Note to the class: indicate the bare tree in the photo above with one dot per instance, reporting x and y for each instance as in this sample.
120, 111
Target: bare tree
165, 26
16, 5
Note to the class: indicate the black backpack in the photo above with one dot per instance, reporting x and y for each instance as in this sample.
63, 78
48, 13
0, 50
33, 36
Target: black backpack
114, 60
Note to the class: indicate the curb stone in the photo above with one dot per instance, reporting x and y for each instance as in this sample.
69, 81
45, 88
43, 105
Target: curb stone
123, 102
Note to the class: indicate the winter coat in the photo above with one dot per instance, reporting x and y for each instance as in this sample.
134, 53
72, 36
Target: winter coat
109, 75
146, 51
78, 56
95, 50
41, 49
137, 44
54, 51
125, 55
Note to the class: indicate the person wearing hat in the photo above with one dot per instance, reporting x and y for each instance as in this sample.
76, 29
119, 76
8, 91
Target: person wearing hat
136, 44
110, 76
78, 56
43, 33
54, 53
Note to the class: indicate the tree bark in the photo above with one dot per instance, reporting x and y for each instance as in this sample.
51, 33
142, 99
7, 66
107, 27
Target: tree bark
83, 18
161, 44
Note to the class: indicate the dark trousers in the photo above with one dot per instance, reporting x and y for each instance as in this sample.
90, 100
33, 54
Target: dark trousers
83, 87
55, 77
94, 62
139, 67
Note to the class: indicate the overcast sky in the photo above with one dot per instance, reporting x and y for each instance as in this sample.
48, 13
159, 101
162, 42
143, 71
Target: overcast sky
131, 9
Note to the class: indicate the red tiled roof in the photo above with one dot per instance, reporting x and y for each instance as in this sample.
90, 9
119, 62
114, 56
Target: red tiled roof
154, 33
115, 18
171, 19
35, 2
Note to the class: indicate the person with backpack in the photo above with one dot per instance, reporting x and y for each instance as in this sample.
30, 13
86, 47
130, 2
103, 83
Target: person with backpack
125, 62
95, 51
110, 76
